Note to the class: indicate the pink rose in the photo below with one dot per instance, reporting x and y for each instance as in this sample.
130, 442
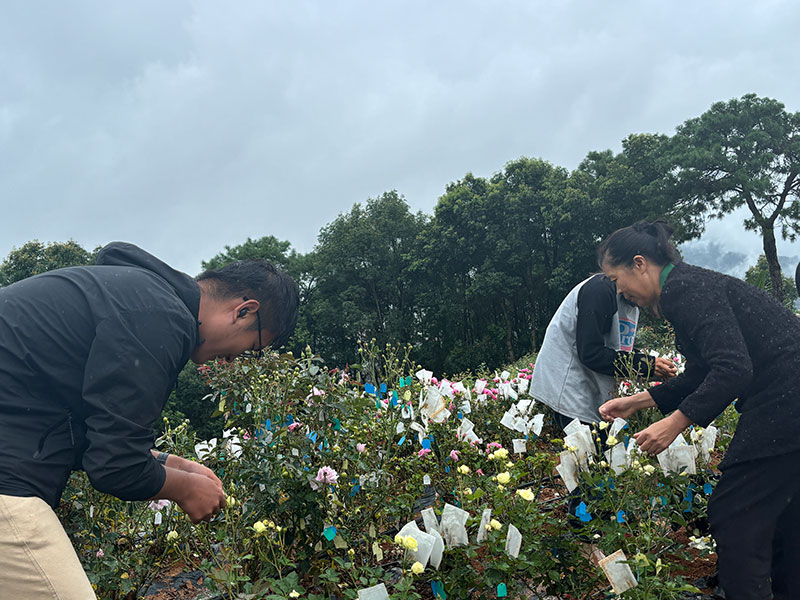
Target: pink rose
325, 475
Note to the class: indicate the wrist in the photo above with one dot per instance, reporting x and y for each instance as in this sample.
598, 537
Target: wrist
679, 420
643, 400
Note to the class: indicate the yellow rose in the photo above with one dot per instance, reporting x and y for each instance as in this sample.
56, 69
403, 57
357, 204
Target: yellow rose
259, 527
463, 469
172, 535
503, 477
417, 568
294, 594
495, 524
410, 543
525, 494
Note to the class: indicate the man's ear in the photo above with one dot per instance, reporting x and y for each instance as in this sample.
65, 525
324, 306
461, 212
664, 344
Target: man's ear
247, 306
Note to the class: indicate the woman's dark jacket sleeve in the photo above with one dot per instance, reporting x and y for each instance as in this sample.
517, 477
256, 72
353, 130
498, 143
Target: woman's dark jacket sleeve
718, 367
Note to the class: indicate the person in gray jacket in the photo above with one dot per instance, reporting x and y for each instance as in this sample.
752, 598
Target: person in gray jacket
588, 343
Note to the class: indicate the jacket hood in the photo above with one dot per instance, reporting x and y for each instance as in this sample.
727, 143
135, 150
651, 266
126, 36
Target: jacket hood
123, 254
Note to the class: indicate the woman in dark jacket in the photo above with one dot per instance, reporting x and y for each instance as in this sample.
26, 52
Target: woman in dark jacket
740, 345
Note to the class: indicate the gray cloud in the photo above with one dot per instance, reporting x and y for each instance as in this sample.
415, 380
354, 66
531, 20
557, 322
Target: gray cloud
184, 126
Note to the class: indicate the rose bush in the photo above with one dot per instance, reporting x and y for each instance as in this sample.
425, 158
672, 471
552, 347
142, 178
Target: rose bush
323, 468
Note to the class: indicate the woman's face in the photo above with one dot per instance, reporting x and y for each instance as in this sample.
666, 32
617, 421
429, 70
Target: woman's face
638, 283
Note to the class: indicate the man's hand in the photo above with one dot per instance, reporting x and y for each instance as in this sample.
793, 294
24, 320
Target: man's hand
197, 491
624, 407
183, 464
201, 498
657, 438
665, 368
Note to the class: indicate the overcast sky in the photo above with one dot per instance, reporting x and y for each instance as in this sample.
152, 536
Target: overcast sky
185, 126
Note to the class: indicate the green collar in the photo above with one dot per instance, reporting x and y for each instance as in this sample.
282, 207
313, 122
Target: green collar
664, 272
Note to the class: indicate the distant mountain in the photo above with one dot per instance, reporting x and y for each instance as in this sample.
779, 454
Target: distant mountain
712, 255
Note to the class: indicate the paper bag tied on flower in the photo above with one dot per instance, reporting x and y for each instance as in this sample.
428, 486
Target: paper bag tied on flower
618, 572
453, 526
376, 592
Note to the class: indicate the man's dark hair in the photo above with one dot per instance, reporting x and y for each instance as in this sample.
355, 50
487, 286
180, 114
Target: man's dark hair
650, 240
260, 280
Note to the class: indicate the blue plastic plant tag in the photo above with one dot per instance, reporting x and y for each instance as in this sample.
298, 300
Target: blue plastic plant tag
402, 382
447, 469
707, 489
502, 592
313, 436
582, 513
620, 516
337, 425
408, 380
426, 443
460, 415
369, 388
268, 424
320, 446
393, 401
438, 590
383, 388
402, 440
689, 498
663, 500
289, 419
329, 532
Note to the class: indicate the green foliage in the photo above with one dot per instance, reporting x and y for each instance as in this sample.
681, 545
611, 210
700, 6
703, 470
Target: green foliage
288, 419
363, 287
758, 276
269, 247
744, 152
34, 257
191, 400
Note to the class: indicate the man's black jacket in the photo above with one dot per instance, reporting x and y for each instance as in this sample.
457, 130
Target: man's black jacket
88, 356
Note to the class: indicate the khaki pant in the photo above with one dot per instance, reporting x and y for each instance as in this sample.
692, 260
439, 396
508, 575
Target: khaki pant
37, 560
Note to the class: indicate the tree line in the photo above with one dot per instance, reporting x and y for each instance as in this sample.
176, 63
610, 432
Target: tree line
476, 281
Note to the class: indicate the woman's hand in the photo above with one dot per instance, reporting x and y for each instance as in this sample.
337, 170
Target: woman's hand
624, 407
665, 368
657, 438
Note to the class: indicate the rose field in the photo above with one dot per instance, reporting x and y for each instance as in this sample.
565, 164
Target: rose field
381, 481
